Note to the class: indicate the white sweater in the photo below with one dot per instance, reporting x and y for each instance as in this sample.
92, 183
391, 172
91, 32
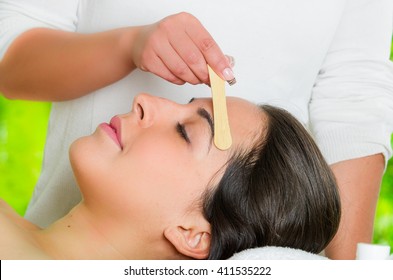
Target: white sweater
326, 61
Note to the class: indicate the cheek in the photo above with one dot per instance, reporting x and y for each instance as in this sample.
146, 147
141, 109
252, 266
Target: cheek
161, 175
154, 177
158, 163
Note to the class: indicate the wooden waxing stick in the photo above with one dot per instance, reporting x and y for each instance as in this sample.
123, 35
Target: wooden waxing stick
222, 132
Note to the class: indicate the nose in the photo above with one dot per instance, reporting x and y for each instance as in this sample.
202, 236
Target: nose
151, 108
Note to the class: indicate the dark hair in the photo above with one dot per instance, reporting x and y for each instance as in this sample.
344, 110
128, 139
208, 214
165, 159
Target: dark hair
281, 193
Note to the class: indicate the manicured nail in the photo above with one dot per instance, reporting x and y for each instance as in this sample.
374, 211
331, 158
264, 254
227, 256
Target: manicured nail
232, 82
229, 76
231, 60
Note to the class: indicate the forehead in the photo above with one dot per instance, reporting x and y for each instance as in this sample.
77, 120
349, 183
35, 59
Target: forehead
246, 120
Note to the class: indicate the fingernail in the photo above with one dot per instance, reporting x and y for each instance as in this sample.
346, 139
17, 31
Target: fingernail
232, 82
229, 76
231, 60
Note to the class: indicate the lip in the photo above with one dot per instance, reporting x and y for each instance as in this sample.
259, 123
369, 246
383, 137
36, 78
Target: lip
113, 129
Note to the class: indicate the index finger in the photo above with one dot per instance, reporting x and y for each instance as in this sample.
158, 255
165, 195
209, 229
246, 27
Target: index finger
211, 51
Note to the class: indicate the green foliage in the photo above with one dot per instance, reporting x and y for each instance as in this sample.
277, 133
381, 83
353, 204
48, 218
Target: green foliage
383, 232
22, 136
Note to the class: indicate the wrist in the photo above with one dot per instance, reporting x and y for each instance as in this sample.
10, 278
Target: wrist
129, 46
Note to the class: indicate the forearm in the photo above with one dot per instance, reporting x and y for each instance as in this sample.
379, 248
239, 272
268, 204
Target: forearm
44, 64
52, 65
359, 183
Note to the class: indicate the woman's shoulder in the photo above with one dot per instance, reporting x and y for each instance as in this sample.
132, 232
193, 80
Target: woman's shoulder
16, 239
7, 211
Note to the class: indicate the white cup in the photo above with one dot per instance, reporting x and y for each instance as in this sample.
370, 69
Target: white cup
372, 252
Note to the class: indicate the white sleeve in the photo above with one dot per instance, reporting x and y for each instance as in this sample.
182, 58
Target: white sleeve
351, 110
18, 16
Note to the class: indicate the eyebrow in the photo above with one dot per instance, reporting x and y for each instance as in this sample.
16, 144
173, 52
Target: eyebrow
206, 115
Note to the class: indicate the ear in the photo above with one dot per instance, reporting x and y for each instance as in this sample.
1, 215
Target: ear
193, 242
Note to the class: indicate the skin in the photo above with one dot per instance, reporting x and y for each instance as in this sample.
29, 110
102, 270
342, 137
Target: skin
359, 182
33, 73
121, 189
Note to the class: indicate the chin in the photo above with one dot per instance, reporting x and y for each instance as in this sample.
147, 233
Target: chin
77, 155
84, 153
89, 157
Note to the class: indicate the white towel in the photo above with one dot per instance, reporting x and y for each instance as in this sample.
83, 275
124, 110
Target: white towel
275, 253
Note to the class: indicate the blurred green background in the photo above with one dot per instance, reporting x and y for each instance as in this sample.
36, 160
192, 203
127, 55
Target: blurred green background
23, 128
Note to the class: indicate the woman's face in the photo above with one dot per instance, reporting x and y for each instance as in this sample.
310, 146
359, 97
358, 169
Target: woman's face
155, 162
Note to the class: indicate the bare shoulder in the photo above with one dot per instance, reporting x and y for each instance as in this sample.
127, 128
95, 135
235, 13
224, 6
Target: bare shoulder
7, 210
4, 206
16, 238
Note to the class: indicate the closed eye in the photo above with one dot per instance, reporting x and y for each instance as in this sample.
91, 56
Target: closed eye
182, 132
